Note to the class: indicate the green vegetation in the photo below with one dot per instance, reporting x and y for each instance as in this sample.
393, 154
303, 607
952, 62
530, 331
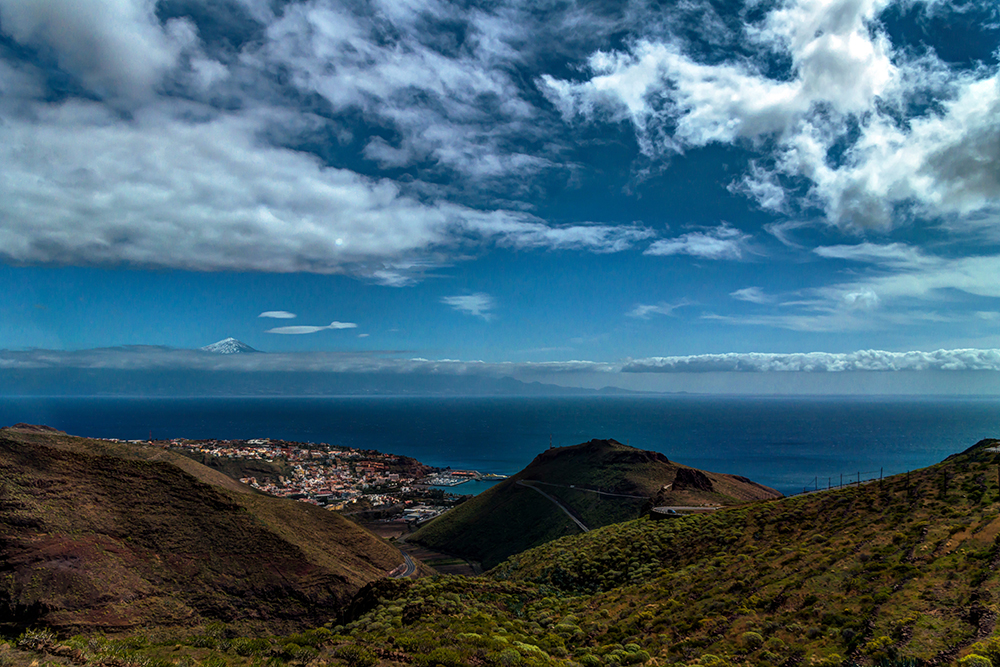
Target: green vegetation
898, 574
510, 518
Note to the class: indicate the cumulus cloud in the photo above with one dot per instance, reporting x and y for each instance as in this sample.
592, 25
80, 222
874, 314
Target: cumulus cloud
477, 305
299, 330
813, 362
278, 314
167, 148
722, 242
82, 188
117, 48
851, 115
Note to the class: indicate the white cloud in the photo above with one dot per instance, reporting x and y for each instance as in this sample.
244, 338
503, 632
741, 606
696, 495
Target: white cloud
535, 234
812, 362
643, 311
752, 295
722, 242
896, 255
299, 330
454, 107
278, 314
152, 358
83, 188
946, 162
852, 117
117, 48
477, 305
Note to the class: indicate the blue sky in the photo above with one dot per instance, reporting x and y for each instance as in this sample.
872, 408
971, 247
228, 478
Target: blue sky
507, 182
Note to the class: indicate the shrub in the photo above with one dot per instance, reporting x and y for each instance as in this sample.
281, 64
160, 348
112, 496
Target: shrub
511, 658
751, 640
250, 646
356, 656
442, 655
36, 639
973, 660
988, 649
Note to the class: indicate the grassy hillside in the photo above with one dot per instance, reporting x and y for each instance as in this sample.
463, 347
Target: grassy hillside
510, 517
898, 574
104, 536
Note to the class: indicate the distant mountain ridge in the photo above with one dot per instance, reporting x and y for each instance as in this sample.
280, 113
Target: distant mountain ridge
230, 346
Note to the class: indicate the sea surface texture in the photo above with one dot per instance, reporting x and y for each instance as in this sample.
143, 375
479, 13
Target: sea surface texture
790, 444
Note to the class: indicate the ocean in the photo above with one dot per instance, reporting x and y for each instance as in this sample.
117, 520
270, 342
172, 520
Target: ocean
789, 444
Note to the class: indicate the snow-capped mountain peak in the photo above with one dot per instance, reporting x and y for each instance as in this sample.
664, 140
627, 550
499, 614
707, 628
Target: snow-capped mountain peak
229, 346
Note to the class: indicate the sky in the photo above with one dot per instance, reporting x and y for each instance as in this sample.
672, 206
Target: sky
644, 189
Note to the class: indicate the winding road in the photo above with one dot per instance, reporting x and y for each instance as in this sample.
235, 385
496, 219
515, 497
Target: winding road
408, 571
558, 504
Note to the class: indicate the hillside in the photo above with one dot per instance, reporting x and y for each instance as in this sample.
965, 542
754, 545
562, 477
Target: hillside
903, 572
100, 536
598, 482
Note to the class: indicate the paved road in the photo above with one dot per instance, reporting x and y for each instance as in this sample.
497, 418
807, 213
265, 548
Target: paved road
558, 504
409, 571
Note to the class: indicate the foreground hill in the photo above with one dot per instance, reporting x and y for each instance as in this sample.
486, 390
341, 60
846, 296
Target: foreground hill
903, 573
104, 536
568, 488
900, 573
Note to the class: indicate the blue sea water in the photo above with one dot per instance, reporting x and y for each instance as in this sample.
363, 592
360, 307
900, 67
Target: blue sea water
785, 443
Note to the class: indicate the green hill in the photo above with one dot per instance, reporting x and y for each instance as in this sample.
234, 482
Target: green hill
97, 535
598, 483
899, 573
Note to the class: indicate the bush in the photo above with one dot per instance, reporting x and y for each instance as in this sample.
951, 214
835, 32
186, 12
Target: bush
511, 658
751, 640
246, 646
988, 649
36, 639
442, 656
973, 660
356, 656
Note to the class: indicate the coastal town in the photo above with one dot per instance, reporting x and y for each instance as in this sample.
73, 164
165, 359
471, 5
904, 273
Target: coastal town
344, 479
